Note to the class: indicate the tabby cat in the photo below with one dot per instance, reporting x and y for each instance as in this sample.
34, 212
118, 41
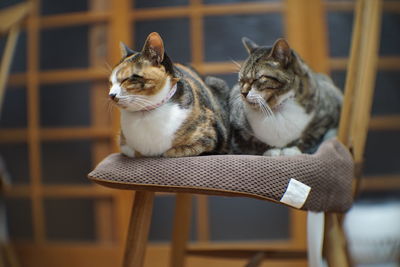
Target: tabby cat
280, 106
167, 109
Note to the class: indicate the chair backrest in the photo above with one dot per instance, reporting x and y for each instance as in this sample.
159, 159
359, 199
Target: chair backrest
10, 18
360, 80
356, 112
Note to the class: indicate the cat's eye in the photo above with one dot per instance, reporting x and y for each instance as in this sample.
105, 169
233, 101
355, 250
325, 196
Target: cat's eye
134, 78
270, 82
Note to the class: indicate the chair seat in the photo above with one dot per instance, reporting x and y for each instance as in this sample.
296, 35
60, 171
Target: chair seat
317, 182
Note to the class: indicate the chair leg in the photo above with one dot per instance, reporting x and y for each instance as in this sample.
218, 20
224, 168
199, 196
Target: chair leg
315, 238
180, 237
335, 246
138, 230
256, 260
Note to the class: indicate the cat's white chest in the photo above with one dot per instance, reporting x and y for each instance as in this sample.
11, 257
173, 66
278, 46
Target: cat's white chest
152, 133
286, 126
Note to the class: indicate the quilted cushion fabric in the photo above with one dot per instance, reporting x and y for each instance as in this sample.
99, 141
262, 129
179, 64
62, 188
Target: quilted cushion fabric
328, 172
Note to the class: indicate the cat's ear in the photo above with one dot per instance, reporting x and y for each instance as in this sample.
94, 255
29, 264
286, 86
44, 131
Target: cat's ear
281, 52
249, 44
125, 50
153, 49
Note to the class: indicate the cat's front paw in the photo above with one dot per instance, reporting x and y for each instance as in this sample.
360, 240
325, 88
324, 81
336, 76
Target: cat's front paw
183, 151
273, 152
127, 151
291, 151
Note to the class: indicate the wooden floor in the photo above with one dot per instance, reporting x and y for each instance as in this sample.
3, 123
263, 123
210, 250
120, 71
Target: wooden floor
157, 256
62, 255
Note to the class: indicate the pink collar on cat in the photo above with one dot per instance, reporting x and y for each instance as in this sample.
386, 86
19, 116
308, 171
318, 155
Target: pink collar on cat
168, 97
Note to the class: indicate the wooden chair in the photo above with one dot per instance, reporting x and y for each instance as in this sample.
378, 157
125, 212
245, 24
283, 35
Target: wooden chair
10, 20
147, 176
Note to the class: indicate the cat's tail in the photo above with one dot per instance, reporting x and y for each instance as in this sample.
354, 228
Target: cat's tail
219, 87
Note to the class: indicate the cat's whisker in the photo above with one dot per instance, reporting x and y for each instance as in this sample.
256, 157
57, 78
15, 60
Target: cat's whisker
143, 99
263, 110
110, 106
144, 102
134, 99
267, 113
236, 63
142, 106
108, 66
271, 112
137, 97
266, 107
237, 98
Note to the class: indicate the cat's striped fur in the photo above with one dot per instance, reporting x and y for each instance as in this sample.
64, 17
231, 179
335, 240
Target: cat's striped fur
280, 105
168, 109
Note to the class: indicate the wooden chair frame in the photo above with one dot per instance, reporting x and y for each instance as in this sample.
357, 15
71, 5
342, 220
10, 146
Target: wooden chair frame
10, 24
353, 129
115, 19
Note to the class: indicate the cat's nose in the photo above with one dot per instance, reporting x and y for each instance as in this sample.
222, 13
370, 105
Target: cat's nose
112, 96
245, 94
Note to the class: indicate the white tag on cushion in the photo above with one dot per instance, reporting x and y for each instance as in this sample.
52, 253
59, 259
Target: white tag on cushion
296, 194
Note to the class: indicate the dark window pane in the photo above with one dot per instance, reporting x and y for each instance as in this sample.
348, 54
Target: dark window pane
158, 3
64, 48
382, 153
13, 113
390, 35
50, 7
19, 58
65, 105
386, 96
15, 157
9, 3
19, 218
247, 219
340, 28
379, 196
339, 78
235, 1
162, 220
387, 93
69, 219
340, 25
163, 217
66, 162
223, 34
175, 34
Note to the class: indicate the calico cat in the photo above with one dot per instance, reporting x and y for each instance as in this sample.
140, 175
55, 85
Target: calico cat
167, 109
280, 106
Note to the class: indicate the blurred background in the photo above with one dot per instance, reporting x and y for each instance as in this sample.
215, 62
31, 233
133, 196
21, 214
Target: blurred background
55, 124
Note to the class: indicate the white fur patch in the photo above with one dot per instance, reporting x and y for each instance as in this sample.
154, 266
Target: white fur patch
273, 152
152, 132
287, 151
115, 88
291, 151
287, 124
127, 151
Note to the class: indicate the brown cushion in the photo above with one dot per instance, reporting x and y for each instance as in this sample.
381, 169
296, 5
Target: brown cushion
328, 173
